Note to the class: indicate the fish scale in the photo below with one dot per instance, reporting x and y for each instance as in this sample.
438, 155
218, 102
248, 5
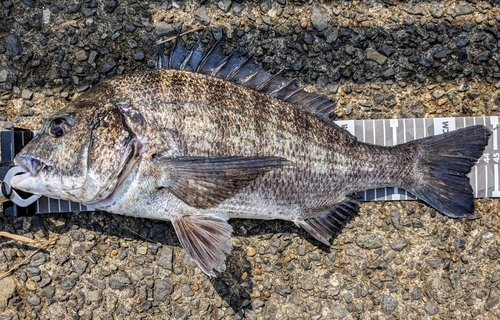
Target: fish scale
230, 141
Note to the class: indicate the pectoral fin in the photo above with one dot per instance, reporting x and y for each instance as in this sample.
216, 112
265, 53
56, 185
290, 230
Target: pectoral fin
204, 182
205, 239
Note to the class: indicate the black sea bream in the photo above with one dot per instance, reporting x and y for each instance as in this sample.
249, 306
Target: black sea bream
209, 137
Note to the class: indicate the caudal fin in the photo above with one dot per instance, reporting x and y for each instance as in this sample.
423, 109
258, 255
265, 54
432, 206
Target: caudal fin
443, 164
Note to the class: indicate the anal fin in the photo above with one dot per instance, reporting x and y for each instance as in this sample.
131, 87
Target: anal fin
331, 221
206, 240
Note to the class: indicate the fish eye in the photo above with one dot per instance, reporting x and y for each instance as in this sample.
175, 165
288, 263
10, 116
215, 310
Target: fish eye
58, 127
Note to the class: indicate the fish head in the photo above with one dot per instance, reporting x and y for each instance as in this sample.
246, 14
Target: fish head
82, 154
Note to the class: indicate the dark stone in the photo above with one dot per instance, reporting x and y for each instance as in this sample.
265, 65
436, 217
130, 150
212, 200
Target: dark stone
77, 235
74, 8
399, 244
38, 259
68, 283
115, 284
162, 289
165, 258
388, 304
14, 44
48, 292
95, 78
434, 262
138, 56
130, 27
462, 56
425, 62
283, 290
413, 59
110, 6
145, 306
178, 311
107, 66
265, 6
33, 270
442, 54
460, 244
496, 99
187, 291
88, 11
29, 3
33, 299
99, 284
473, 94
319, 17
369, 241
462, 41
40, 82
79, 266
493, 299
431, 308
202, 16
387, 50
8, 4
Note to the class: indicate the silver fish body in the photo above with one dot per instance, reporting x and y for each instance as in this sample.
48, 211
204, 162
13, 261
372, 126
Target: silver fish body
200, 147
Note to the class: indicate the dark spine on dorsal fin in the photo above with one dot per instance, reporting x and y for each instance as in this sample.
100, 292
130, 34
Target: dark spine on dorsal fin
193, 58
243, 71
178, 54
212, 59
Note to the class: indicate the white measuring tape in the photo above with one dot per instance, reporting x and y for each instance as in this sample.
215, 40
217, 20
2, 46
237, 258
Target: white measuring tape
484, 176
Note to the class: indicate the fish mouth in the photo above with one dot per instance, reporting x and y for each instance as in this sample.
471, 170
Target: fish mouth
32, 165
123, 177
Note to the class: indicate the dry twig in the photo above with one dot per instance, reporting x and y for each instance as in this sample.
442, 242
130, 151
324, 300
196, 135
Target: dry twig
44, 243
182, 34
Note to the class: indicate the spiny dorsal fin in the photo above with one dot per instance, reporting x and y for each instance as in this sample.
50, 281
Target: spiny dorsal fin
244, 71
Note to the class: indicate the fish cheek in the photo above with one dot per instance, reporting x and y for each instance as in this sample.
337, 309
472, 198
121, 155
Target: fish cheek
110, 143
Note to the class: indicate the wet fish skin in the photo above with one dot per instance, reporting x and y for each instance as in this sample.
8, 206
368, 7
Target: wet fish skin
197, 150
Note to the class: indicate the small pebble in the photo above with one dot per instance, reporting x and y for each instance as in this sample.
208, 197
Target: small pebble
250, 251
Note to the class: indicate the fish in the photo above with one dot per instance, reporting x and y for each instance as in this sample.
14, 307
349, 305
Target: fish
206, 137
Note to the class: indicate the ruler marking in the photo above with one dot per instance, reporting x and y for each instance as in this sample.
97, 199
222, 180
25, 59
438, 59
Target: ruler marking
475, 167
364, 131
496, 191
494, 122
425, 128
404, 131
394, 123
486, 181
414, 129
385, 137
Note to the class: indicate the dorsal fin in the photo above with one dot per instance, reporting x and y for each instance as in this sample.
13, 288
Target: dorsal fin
244, 71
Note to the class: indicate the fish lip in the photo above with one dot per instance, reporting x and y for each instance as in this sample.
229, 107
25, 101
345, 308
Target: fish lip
32, 165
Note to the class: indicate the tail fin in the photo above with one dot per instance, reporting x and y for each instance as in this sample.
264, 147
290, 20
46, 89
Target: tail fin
443, 162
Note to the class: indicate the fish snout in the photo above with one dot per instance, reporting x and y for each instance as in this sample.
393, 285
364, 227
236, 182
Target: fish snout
30, 164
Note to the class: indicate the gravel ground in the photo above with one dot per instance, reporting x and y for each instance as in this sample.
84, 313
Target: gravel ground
378, 59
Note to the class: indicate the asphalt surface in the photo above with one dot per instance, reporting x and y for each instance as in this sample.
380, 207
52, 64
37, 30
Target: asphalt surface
377, 59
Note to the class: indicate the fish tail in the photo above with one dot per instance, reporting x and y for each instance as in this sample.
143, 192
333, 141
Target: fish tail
441, 168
